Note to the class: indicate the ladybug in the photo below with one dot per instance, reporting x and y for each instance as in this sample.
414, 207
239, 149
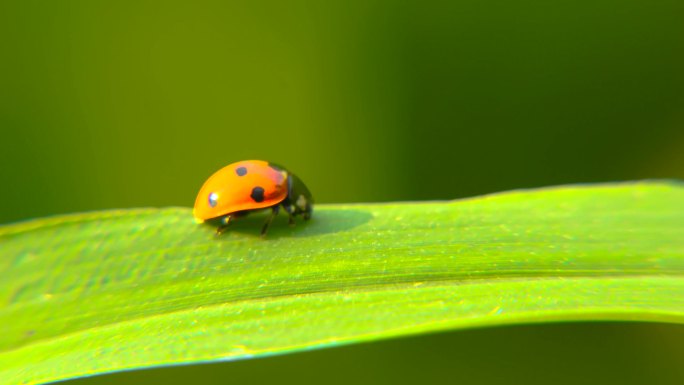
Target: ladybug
249, 185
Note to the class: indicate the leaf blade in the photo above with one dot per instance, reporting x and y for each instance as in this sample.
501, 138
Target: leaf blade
357, 272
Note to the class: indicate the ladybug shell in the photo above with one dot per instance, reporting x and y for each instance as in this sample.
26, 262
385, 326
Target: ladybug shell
245, 185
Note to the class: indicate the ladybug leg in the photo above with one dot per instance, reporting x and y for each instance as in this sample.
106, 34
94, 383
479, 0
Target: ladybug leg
306, 212
290, 214
274, 212
224, 224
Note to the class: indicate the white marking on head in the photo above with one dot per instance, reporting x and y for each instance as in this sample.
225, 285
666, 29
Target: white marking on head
301, 202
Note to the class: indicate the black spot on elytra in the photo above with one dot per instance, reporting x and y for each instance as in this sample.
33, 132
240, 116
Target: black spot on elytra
241, 171
258, 194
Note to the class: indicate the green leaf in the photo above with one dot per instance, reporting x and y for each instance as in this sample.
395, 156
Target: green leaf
99, 292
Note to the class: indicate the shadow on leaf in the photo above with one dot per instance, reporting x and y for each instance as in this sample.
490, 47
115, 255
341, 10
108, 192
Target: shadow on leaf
327, 222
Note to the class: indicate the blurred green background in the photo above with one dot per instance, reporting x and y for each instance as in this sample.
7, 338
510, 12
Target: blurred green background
134, 103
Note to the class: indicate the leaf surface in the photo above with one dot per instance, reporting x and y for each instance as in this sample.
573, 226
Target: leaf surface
97, 292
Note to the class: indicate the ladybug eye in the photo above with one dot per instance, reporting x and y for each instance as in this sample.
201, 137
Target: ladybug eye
213, 199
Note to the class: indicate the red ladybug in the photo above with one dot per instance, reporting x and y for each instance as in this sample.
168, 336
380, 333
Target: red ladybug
249, 185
